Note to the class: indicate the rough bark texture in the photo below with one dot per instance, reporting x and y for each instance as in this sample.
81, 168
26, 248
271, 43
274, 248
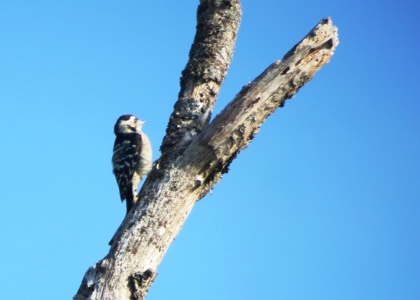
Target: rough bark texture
209, 59
195, 154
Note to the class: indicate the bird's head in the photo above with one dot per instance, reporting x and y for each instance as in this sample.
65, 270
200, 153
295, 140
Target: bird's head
128, 124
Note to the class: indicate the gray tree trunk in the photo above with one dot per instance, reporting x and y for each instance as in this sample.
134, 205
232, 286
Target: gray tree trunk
197, 152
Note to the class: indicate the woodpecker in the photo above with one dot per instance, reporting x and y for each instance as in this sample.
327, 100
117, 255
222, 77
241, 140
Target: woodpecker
132, 157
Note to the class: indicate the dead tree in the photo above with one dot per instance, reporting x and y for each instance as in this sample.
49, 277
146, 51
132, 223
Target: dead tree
197, 152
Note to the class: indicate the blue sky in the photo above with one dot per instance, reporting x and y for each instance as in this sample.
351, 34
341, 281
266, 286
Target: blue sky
324, 204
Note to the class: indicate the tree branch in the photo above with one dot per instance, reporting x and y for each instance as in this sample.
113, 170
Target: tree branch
210, 56
196, 154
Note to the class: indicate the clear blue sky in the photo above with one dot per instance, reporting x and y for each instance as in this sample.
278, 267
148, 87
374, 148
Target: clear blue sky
324, 204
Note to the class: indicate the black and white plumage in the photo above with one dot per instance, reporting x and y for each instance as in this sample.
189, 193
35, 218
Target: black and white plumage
132, 156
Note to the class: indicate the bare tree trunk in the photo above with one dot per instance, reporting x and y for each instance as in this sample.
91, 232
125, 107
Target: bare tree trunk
196, 153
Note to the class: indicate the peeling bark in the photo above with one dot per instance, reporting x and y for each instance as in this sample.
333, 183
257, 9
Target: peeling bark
196, 153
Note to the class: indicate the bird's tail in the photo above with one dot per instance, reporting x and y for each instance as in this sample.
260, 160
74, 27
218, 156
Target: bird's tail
129, 199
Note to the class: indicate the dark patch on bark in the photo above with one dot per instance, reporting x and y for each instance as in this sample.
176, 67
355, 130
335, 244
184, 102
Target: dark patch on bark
139, 284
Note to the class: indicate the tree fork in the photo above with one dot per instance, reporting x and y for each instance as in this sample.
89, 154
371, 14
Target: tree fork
209, 59
196, 153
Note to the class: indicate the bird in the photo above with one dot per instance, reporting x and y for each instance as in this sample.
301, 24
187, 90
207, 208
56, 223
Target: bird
131, 158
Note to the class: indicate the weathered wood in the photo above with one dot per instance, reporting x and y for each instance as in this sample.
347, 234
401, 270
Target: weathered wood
210, 57
196, 154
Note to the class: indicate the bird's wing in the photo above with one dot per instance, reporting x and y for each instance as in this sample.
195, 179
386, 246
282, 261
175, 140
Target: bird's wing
125, 159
